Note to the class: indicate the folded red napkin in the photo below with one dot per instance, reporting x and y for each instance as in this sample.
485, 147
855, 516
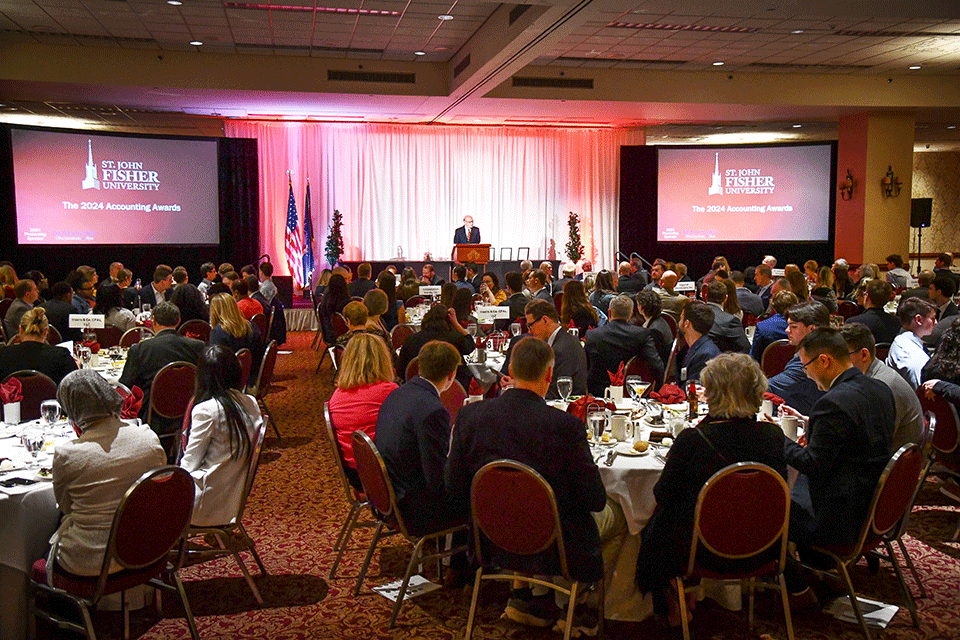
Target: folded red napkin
93, 345
775, 399
571, 324
475, 388
11, 391
616, 379
131, 402
669, 394
579, 407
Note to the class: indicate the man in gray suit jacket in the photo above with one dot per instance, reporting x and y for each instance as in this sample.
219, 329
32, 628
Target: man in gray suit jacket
727, 332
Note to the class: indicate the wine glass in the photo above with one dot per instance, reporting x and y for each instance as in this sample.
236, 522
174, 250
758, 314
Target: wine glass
565, 387
49, 411
145, 307
32, 440
638, 386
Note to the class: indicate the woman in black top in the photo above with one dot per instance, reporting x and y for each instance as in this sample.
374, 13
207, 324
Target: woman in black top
577, 308
335, 298
439, 323
33, 352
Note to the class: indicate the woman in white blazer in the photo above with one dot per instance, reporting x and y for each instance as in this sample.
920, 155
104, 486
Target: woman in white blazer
223, 426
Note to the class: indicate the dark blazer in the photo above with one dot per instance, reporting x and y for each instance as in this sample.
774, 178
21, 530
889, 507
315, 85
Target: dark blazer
460, 236
146, 358
58, 315
146, 295
848, 445
662, 338
727, 331
131, 297
630, 286
944, 322
884, 326
665, 549
796, 389
695, 359
359, 287
411, 347
615, 343
767, 332
253, 341
413, 434
750, 302
519, 426
55, 362
544, 294
569, 359
517, 302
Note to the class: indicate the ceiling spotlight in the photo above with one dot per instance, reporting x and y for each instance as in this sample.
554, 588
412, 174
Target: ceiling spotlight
952, 126
419, 53
175, 3
718, 64
797, 126
445, 16
195, 43
915, 67
796, 31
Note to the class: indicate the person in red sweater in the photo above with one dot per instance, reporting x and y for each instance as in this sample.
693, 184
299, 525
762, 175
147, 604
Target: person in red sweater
247, 305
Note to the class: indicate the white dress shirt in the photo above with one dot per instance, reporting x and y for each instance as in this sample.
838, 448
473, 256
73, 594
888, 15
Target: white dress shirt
908, 356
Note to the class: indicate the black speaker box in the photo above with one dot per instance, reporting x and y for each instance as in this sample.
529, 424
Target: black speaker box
920, 212
284, 286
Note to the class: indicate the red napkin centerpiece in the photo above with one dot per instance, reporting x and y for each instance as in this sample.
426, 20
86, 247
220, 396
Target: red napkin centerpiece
11, 391
579, 406
774, 398
616, 379
669, 394
93, 345
475, 388
131, 402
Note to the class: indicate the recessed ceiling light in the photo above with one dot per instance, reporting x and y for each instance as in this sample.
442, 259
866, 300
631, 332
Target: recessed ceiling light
915, 67
797, 126
952, 126
796, 31
195, 43
175, 3
718, 64
419, 53
445, 16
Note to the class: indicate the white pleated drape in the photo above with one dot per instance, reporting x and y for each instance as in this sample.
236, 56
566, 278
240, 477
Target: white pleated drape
404, 188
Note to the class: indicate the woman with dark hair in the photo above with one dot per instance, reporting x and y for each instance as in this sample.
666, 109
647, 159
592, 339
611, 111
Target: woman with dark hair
190, 302
651, 316
110, 306
577, 308
823, 292
731, 305
463, 305
447, 291
604, 290
490, 289
223, 426
335, 298
842, 283
395, 313
439, 323
798, 284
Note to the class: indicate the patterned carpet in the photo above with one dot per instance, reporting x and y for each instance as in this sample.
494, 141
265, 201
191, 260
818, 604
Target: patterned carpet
297, 507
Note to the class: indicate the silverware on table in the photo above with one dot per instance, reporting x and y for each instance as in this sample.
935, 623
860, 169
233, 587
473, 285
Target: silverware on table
610, 458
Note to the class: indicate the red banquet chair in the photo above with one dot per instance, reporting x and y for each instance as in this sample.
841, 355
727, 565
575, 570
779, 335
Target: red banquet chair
945, 439
147, 540
108, 336
261, 388
171, 395
35, 387
453, 399
260, 320
196, 328
245, 358
637, 366
776, 356
399, 335
135, 335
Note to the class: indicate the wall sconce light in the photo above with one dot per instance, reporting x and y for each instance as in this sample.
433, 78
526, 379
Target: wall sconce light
891, 184
846, 186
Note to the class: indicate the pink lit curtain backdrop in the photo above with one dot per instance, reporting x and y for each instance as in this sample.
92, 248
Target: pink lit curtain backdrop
410, 186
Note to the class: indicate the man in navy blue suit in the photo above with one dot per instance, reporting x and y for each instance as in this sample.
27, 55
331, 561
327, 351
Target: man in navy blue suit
696, 319
467, 234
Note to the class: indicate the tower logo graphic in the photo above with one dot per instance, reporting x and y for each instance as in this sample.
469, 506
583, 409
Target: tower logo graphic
715, 188
90, 182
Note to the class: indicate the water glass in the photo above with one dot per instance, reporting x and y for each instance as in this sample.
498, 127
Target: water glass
597, 421
515, 329
32, 440
565, 387
145, 307
50, 411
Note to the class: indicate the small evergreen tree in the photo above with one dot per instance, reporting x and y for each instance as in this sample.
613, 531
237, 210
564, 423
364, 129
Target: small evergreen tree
334, 247
574, 246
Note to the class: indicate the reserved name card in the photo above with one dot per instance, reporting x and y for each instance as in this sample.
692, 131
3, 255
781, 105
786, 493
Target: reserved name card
85, 321
777, 273
489, 314
430, 290
686, 285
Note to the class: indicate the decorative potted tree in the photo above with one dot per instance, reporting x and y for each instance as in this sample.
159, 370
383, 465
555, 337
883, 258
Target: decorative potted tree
334, 247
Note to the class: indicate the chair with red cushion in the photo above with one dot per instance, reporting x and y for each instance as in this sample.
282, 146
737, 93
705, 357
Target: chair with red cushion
514, 508
260, 320
232, 537
196, 328
848, 309
135, 335
881, 351
891, 500
740, 493
171, 393
108, 337
318, 336
53, 336
245, 358
383, 502
147, 539
637, 366
748, 320
776, 356
945, 439
413, 369
453, 399
399, 335
356, 499
671, 322
35, 387
558, 301
413, 301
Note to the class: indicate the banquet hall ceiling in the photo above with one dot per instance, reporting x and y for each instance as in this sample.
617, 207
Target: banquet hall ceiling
561, 62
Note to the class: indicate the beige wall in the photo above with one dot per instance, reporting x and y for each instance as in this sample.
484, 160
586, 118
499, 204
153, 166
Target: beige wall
936, 174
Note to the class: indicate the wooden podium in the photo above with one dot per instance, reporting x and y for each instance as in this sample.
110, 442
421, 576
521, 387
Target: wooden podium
479, 253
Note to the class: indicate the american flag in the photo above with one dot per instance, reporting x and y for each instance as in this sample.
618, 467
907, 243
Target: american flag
293, 242
307, 238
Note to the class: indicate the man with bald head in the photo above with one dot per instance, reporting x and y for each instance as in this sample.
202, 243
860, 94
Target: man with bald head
672, 301
627, 283
467, 234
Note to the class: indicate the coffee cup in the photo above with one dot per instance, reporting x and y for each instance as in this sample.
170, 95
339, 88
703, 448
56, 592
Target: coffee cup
790, 425
766, 408
618, 426
11, 413
614, 394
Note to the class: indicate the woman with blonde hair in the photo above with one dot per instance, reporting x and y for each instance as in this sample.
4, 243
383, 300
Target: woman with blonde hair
8, 277
364, 381
232, 330
824, 290
33, 352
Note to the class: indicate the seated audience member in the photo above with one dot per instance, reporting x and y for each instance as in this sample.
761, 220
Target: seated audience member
375, 301
793, 384
58, 310
810, 271
764, 279
253, 288
358, 321
672, 301
190, 302
473, 276
363, 283
585, 267
773, 328
520, 426
944, 364
909, 426
897, 276
567, 270
429, 276
439, 323
849, 431
547, 268
82, 300
248, 306
577, 309
570, 359
727, 330
180, 276
447, 291
26, 294
907, 356
225, 268
749, 302
733, 386
129, 293
942, 267
842, 283
516, 299
883, 325
730, 304
322, 282
230, 329
267, 288
696, 320
146, 358
335, 298
626, 283
604, 290
823, 290
798, 284
8, 277
395, 313
223, 428
940, 293
491, 291
413, 435
537, 286
922, 290
617, 342
43, 285
458, 276
651, 318
364, 380
462, 304
160, 289
110, 306
33, 352
208, 277
93, 472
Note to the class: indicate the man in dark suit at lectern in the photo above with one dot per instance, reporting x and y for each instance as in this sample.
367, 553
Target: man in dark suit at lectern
467, 234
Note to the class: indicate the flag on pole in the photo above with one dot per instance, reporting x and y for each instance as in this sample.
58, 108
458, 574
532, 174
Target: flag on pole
292, 241
307, 238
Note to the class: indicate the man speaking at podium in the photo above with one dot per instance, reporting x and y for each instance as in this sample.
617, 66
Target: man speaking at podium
467, 234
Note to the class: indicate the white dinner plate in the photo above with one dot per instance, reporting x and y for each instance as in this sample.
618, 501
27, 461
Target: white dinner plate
626, 449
